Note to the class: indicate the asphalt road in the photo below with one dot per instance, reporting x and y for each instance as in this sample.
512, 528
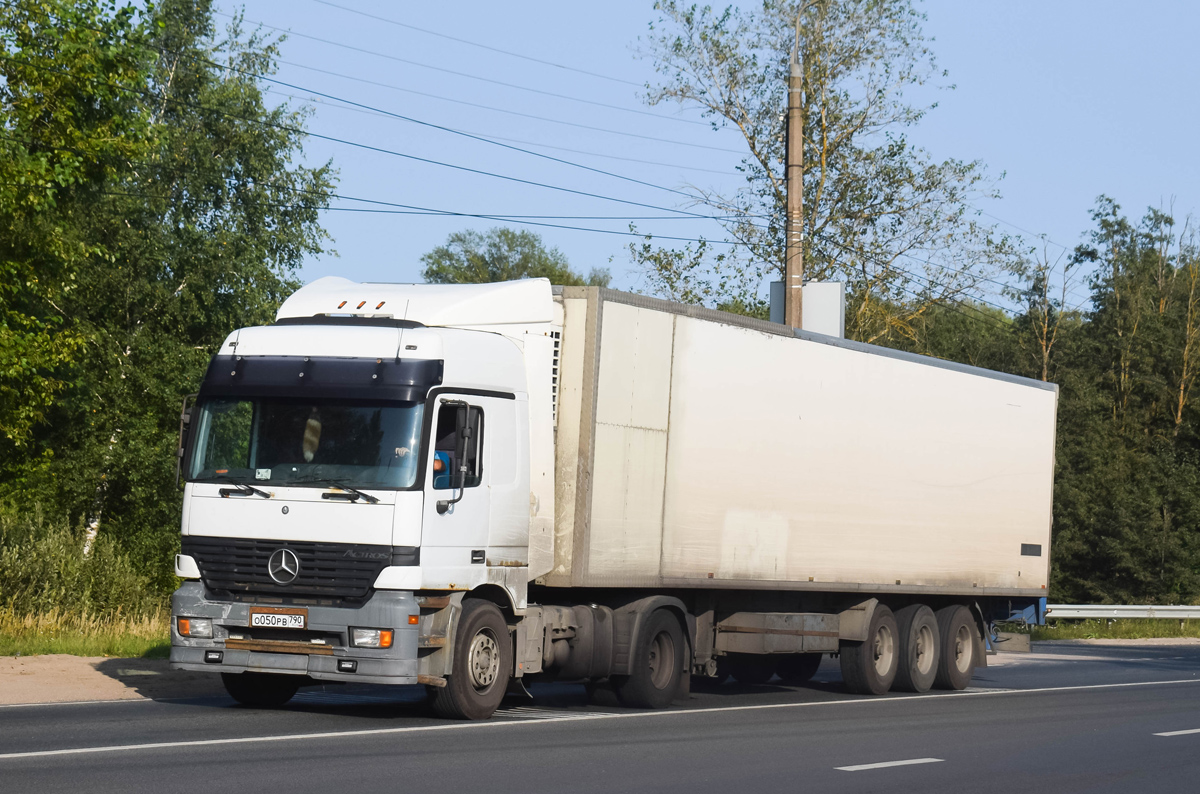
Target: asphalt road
1064, 719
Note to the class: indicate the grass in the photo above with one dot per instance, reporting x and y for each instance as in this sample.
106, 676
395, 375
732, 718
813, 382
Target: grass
1116, 629
84, 635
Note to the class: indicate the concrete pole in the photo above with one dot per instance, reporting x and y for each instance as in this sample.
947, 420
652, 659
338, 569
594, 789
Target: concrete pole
793, 280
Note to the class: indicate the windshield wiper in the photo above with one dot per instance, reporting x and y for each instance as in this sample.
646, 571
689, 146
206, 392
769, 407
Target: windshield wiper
242, 488
351, 493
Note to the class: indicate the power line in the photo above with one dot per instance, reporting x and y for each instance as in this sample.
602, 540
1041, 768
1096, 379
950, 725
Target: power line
365, 81
379, 149
425, 211
472, 136
477, 44
317, 101
469, 76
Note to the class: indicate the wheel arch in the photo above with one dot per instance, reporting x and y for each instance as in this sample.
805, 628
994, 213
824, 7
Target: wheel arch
630, 619
498, 596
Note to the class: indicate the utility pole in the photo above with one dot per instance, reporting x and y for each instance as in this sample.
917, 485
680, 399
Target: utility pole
793, 280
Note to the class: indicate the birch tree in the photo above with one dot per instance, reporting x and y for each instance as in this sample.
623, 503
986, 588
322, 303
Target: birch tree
879, 212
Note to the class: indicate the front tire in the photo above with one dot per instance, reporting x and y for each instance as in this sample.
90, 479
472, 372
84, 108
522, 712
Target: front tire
482, 664
920, 644
261, 690
657, 664
869, 668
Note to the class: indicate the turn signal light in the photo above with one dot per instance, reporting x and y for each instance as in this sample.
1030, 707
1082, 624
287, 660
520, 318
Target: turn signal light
414, 620
371, 638
200, 628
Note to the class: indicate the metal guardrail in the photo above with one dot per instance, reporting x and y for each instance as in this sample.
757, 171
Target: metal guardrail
1134, 612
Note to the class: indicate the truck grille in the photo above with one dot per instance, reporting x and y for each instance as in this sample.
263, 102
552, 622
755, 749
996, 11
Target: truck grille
335, 570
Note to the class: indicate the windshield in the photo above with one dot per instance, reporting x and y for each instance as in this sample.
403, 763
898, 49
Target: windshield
280, 441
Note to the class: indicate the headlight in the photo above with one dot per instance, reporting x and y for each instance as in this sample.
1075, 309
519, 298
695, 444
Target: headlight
199, 628
371, 638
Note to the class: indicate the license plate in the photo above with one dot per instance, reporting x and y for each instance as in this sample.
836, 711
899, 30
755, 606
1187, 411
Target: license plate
279, 620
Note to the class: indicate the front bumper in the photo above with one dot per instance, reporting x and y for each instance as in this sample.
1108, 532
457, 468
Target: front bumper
385, 609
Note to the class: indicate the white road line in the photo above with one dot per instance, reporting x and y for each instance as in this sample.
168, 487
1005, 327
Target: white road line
570, 717
884, 764
76, 702
1179, 733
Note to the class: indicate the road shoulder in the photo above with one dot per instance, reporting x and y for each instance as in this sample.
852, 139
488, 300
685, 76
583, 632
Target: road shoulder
60, 678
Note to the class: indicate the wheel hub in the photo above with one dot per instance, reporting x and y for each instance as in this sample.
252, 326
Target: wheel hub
483, 659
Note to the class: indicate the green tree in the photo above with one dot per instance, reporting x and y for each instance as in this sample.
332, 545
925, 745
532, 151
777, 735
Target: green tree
70, 76
502, 254
879, 212
1127, 506
201, 232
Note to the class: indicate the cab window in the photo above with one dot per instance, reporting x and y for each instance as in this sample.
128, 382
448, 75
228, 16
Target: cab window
445, 435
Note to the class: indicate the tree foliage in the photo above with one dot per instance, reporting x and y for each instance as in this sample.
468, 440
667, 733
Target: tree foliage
502, 254
158, 206
879, 213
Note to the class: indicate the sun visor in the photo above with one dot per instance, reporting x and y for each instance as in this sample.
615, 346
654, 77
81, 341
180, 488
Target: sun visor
319, 377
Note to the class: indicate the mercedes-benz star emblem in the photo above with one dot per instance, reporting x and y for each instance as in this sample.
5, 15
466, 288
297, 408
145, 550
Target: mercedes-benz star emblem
284, 566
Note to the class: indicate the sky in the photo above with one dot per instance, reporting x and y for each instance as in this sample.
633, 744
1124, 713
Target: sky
1061, 101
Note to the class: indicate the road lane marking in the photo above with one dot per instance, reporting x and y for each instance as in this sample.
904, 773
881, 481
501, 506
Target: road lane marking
885, 764
78, 702
1179, 733
575, 717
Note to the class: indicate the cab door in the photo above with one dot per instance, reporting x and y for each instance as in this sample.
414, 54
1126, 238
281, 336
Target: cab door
457, 510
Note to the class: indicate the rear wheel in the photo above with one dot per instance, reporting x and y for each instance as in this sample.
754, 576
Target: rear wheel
261, 690
868, 668
799, 668
958, 641
920, 642
752, 668
657, 664
482, 664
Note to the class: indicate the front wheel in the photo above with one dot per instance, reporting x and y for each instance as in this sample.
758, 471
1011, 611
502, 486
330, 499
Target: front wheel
482, 664
261, 690
656, 669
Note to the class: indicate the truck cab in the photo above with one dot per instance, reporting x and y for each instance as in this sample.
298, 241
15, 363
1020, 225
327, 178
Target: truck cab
367, 447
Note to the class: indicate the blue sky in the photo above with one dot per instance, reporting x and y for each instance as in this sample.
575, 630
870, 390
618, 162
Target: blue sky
1065, 100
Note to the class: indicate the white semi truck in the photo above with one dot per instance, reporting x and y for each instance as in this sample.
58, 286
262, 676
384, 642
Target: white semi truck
456, 486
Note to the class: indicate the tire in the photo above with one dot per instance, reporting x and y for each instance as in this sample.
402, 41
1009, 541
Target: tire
261, 690
657, 664
959, 638
920, 649
481, 666
754, 669
799, 668
869, 668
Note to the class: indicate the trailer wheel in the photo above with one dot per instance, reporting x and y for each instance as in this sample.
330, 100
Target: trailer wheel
656, 665
920, 645
261, 690
958, 638
482, 664
799, 668
868, 668
752, 668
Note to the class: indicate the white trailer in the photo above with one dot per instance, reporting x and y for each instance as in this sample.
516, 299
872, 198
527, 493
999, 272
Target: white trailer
461, 485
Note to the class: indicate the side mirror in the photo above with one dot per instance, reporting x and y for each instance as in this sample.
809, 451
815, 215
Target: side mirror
462, 436
185, 421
